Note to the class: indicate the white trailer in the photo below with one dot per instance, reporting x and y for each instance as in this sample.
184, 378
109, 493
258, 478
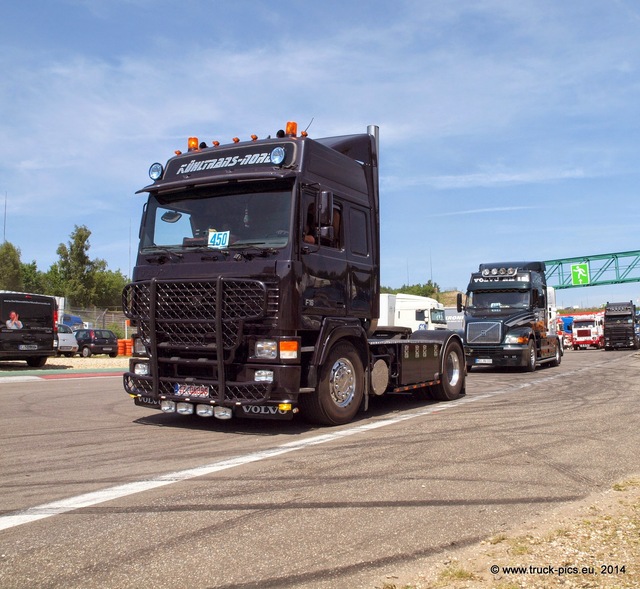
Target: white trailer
413, 311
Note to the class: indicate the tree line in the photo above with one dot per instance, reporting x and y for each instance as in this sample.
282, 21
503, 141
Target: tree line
82, 281
428, 289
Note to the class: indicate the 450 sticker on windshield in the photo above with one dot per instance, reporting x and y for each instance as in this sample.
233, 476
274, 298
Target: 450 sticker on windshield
218, 238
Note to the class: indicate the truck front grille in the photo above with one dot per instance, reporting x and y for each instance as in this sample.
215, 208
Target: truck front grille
484, 332
185, 314
193, 330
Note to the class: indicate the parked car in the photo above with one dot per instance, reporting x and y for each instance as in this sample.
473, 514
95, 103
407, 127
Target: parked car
97, 341
67, 343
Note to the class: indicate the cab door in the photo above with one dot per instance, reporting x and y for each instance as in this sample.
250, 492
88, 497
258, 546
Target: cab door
324, 262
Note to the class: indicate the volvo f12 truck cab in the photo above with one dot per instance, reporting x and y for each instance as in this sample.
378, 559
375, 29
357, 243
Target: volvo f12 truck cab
510, 317
257, 282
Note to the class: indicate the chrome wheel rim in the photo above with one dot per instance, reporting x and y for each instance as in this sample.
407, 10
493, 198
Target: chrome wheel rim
453, 368
342, 382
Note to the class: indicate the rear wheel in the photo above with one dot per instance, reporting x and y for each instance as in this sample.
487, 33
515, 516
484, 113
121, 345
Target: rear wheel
36, 361
86, 352
113, 354
452, 374
340, 389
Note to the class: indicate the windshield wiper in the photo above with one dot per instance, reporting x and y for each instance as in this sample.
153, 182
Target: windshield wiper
161, 255
249, 250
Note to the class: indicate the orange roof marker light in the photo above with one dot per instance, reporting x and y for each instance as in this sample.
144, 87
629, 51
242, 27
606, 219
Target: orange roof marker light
236, 140
292, 129
215, 143
193, 144
254, 138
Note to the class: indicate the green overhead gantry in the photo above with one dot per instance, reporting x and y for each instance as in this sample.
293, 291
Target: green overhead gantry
594, 270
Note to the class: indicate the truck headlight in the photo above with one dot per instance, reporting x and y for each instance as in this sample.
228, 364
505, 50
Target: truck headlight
141, 369
267, 349
138, 347
516, 339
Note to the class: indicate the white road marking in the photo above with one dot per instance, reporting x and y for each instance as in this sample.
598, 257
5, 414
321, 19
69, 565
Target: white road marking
11, 520
19, 378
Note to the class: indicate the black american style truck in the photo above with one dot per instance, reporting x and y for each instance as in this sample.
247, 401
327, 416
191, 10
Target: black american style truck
257, 282
509, 317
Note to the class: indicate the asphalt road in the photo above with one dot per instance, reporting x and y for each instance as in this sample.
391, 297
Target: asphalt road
96, 493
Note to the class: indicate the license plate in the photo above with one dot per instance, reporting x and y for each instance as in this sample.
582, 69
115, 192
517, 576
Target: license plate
107, 349
28, 347
484, 361
191, 390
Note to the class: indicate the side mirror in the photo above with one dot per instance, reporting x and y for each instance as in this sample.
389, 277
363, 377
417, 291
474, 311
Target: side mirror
459, 306
325, 212
171, 216
326, 233
535, 298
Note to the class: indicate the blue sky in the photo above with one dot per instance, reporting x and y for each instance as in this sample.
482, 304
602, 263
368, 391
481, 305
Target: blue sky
509, 130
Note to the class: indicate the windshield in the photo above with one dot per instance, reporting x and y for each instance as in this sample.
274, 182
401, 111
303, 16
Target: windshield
499, 299
212, 220
438, 316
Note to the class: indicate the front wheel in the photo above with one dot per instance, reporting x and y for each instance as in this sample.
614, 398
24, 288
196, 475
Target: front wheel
86, 352
340, 389
558, 357
531, 357
452, 374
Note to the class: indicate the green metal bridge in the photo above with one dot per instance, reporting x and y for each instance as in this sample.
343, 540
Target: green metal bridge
594, 270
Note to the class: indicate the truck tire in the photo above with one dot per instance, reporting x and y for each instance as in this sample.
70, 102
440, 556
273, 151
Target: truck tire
558, 357
531, 357
36, 361
340, 389
452, 377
